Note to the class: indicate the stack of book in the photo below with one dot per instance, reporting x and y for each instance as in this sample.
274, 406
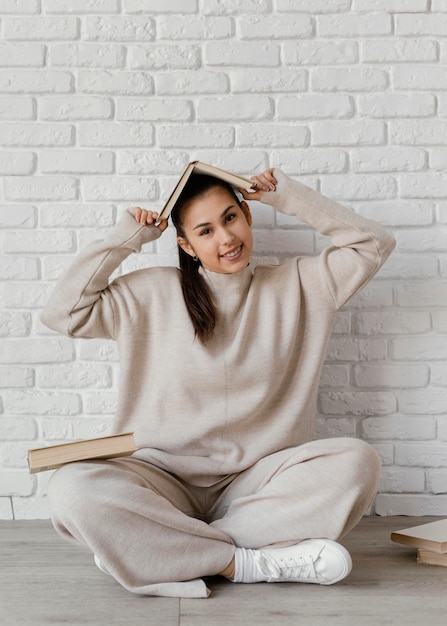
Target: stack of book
429, 539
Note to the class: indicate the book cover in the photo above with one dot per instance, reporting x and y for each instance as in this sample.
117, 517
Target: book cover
197, 167
431, 536
431, 558
51, 457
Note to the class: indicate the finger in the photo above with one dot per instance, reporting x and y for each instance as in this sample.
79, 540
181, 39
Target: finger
163, 225
137, 213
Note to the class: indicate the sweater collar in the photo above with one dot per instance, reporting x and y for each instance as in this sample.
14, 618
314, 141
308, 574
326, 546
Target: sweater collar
228, 283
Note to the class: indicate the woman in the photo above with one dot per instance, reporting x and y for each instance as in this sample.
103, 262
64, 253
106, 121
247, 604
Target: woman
219, 379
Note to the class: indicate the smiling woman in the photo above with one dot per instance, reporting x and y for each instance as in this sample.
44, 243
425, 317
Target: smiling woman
220, 365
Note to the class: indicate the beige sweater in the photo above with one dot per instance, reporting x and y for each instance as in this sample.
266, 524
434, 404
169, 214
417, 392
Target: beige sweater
208, 411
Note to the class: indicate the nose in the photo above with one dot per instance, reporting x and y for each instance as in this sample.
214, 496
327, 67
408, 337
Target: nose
226, 236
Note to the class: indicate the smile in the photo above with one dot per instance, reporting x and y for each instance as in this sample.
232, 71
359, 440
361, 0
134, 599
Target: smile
233, 253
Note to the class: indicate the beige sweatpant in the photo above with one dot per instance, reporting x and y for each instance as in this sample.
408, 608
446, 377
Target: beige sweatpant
158, 535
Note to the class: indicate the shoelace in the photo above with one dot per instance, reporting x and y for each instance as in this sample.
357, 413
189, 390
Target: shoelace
300, 568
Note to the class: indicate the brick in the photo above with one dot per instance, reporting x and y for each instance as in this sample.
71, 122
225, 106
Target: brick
315, 106
76, 216
11, 377
391, 376
41, 403
15, 483
77, 162
437, 481
438, 374
416, 77
16, 108
418, 348
17, 163
426, 295
198, 135
385, 451
164, 57
35, 81
355, 79
424, 401
357, 403
31, 508
246, 53
24, 296
348, 133
281, 27
391, 322
334, 427
111, 56
119, 188
99, 350
75, 108
154, 6
37, 350
320, 53
418, 132
14, 429
423, 454
36, 135
312, 6
38, 241
421, 240
20, 6
397, 105
412, 505
17, 216
440, 321
442, 428
100, 402
119, 28
396, 50
229, 7
357, 187
393, 6
237, 108
76, 376
424, 185
19, 268
175, 28
334, 376
407, 266
355, 349
148, 162
41, 28
267, 135
116, 134
354, 25
399, 428
6, 512
310, 160
438, 6
22, 55
402, 480
438, 159
373, 296
14, 324
399, 213
40, 188
256, 81
81, 6
388, 159
421, 25
187, 83
154, 110
116, 83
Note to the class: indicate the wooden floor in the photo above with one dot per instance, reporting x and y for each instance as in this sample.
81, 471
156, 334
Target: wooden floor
45, 581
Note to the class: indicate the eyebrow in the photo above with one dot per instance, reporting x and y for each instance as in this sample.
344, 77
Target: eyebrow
223, 215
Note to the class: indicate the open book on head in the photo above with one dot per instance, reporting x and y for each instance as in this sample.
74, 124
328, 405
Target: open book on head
197, 167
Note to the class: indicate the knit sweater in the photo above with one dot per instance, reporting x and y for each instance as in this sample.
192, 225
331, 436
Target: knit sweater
205, 411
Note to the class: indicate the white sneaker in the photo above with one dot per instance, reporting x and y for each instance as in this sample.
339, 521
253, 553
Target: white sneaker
320, 561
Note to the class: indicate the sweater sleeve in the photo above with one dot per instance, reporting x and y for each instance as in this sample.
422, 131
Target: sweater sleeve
82, 303
360, 245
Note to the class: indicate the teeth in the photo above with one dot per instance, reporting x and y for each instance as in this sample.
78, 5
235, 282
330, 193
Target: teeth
233, 253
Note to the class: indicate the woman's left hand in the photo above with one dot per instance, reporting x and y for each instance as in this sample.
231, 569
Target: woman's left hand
263, 183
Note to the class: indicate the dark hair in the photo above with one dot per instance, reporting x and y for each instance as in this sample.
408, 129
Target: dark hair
196, 293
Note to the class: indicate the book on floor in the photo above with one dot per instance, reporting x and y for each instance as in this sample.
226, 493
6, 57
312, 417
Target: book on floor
51, 457
431, 558
197, 167
431, 536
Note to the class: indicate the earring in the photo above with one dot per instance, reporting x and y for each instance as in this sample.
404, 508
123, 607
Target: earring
195, 258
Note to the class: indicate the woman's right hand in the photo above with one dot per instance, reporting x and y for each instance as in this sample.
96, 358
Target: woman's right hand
149, 218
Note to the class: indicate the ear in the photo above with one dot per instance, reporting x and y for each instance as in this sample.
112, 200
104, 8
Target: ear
246, 211
185, 246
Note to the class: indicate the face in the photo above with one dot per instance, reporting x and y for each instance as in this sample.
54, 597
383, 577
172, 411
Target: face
218, 232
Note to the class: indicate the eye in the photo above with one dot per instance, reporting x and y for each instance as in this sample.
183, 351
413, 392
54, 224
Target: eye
205, 231
230, 217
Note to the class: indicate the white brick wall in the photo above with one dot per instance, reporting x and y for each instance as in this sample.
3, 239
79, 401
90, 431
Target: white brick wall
103, 102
